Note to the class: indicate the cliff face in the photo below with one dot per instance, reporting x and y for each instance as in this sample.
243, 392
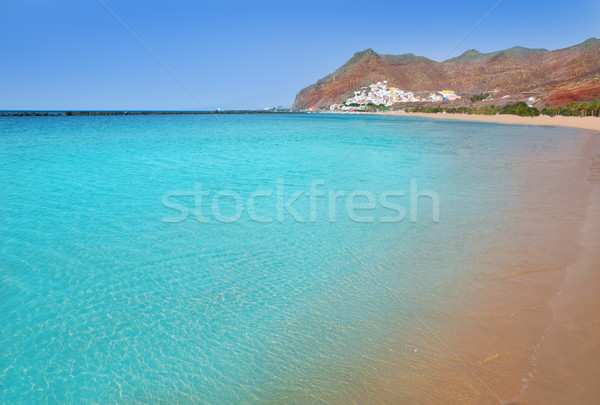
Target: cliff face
556, 75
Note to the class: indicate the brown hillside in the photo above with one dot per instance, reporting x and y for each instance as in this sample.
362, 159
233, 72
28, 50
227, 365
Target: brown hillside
557, 77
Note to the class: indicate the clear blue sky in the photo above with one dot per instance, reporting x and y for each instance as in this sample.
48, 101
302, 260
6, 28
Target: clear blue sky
72, 54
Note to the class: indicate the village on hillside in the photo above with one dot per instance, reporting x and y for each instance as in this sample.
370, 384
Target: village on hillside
381, 93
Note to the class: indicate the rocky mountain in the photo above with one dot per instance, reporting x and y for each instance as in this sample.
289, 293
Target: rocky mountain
555, 77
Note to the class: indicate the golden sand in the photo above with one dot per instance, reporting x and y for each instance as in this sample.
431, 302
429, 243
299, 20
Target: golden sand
547, 350
591, 123
568, 360
528, 331
528, 328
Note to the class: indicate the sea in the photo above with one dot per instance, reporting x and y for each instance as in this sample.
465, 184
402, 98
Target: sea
293, 258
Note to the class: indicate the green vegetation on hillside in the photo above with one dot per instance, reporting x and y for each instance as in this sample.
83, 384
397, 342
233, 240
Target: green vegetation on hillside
371, 107
479, 97
521, 109
572, 110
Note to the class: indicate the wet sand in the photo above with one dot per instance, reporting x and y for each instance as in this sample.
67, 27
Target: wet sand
590, 123
568, 359
527, 330
530, 332
554, 320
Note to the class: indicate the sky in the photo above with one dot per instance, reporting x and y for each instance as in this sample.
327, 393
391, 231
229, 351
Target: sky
75, 55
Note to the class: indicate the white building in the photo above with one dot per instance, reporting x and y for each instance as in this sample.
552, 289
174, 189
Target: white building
382, 93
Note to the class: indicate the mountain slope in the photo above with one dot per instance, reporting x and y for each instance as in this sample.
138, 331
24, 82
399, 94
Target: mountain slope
573, 70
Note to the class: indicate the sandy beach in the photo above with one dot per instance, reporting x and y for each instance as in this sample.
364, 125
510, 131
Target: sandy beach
590, 123
567, 361
545, 347
497, 302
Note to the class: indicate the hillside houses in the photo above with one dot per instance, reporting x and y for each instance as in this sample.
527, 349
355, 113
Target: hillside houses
382, 93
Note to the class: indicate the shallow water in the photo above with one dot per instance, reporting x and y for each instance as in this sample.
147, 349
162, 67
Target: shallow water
103, 298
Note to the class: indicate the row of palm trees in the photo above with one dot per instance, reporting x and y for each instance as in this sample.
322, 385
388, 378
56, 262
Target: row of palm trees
591, 109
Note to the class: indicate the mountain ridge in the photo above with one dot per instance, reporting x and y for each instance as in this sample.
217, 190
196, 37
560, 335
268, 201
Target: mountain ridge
512, 71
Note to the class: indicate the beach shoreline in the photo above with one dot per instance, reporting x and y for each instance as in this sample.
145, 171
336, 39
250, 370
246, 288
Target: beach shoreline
552, 349
567, 361
588, 123
528, 329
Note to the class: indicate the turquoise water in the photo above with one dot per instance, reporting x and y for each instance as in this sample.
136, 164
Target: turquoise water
103, 299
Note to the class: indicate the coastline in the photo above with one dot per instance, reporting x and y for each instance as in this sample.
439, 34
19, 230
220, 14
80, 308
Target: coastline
568, 358
528, 328
589, 123
97, 113
498, 322
544, 348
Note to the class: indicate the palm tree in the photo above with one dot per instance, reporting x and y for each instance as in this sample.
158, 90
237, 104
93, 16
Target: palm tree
583, 107
595, 106
571, 107
546, 109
